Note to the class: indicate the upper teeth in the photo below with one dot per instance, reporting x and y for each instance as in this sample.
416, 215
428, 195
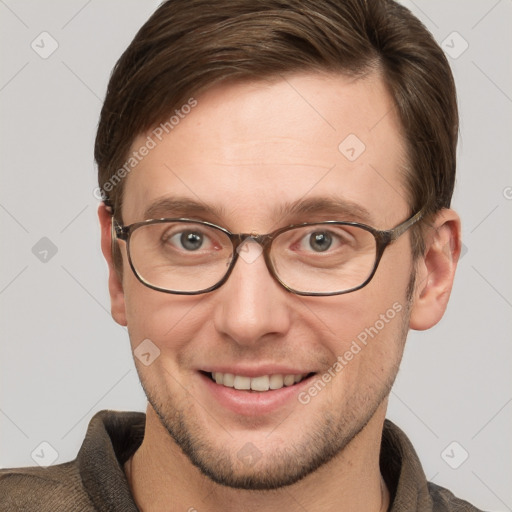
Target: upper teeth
262, 383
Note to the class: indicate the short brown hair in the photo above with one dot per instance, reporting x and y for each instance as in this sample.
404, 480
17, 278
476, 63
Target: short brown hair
187, 46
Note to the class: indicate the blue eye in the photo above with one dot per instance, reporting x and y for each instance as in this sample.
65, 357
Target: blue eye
190, 240
320, 241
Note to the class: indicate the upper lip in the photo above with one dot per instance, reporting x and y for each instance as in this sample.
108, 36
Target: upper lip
252, 371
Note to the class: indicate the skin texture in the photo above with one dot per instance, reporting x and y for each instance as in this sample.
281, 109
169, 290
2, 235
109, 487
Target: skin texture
248, 150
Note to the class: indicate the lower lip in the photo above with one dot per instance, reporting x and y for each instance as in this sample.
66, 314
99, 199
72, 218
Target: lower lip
254, 403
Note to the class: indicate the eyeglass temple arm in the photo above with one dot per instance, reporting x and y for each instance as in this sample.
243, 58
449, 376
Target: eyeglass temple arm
118, 231
402, 228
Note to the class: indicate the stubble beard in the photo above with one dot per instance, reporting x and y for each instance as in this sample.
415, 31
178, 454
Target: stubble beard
326, 439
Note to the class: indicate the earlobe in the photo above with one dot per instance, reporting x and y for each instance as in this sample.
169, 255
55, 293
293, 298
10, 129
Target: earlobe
115, 285
435, 270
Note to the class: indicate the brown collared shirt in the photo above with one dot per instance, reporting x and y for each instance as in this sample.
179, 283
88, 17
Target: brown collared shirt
95, 480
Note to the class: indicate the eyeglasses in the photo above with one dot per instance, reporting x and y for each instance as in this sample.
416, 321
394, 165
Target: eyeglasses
190, 257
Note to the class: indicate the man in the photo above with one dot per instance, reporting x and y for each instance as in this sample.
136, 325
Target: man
276, 179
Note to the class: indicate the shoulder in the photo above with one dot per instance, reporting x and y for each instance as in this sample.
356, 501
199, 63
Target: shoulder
94, 480
445, 501
55, 488
406, 480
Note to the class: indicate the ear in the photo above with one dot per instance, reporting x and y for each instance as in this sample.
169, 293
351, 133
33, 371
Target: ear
435, 270
115, 284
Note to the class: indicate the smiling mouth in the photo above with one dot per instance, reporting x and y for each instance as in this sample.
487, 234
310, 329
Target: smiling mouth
261, 383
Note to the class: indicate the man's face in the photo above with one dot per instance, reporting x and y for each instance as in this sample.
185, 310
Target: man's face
247, 152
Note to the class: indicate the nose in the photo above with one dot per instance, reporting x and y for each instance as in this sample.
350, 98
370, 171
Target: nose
251, 305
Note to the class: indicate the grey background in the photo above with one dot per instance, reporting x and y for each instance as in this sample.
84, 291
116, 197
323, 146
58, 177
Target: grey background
62, 357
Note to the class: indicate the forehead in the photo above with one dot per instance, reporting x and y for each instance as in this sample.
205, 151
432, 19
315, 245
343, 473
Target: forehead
246, 151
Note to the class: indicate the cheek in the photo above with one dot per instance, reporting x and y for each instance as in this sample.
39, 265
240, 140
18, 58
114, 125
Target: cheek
167, 320
367, 352
345, 316
360, 321
365, 330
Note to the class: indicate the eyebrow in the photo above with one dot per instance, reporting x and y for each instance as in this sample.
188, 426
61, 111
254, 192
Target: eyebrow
328, 208
182, 207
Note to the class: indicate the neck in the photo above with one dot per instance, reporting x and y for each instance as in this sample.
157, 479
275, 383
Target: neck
161, 477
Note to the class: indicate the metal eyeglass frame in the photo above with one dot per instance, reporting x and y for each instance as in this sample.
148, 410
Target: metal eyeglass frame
383, 239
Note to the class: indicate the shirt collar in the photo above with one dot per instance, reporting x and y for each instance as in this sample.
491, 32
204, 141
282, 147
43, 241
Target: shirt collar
113, 437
